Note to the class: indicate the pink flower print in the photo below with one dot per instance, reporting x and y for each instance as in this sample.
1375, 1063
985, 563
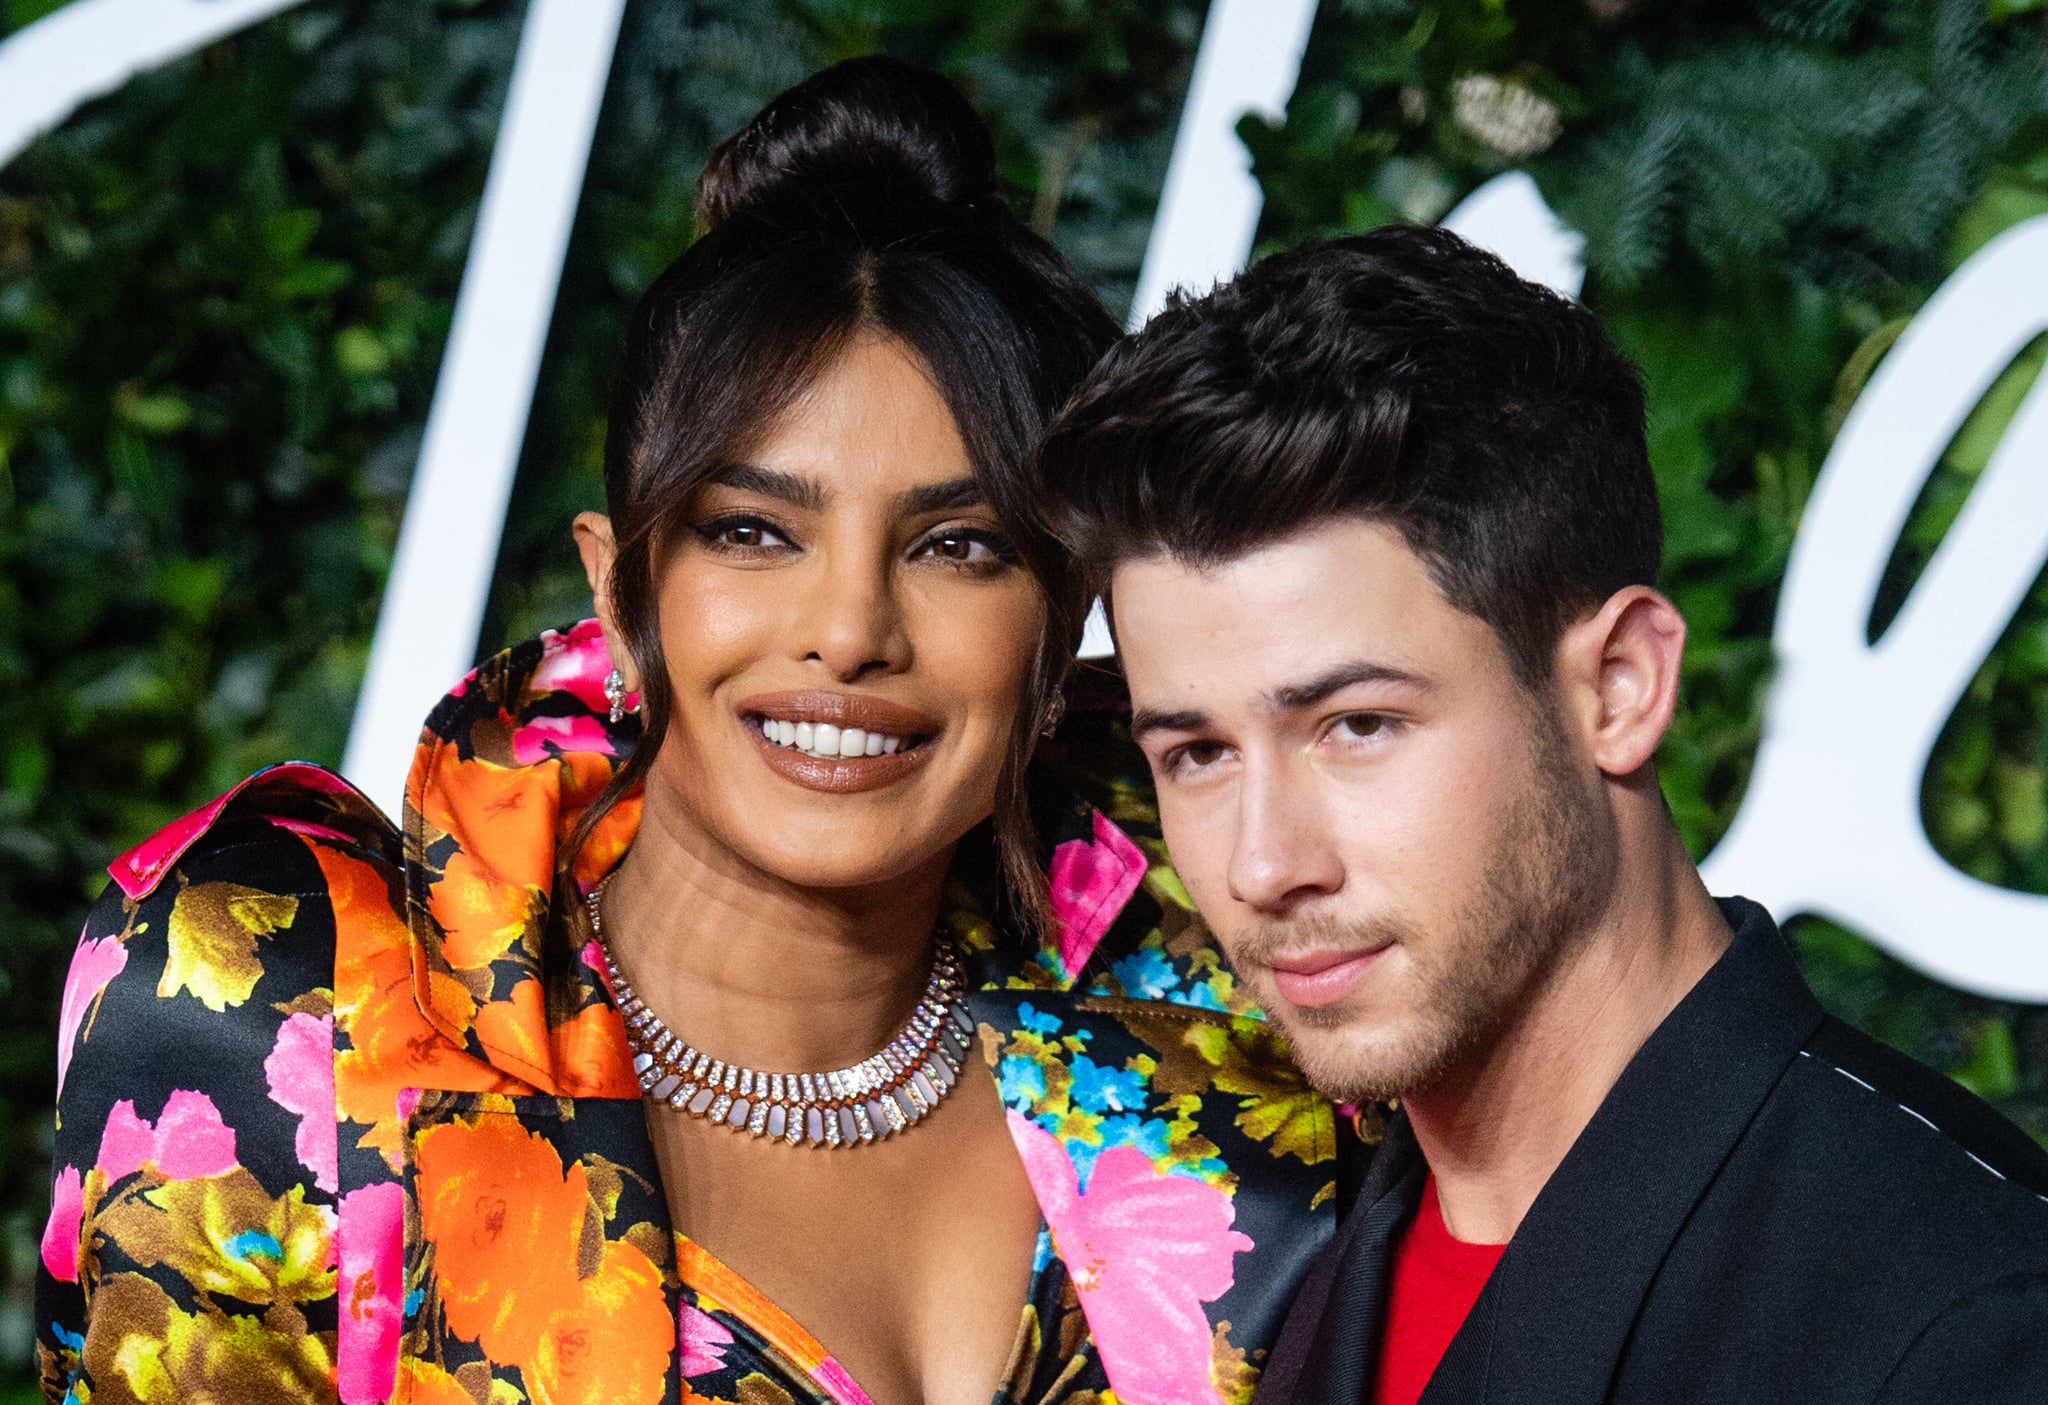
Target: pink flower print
127, 1142
93, 968
300, 1071
529, 743
703, 1339
1145, 1250
65, 1227
371, 1249
138, 870
191, 1139
839, 1383
593, 957
575, 661
312, 830
188, 1141
1090, 883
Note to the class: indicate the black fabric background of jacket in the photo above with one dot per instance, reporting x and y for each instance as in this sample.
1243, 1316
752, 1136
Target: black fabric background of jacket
1768, 1207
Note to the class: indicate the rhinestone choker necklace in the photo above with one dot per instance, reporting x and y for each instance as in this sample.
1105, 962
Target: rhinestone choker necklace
849, 1106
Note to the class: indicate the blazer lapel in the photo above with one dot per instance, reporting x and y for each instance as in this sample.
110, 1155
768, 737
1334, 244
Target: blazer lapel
540, 1245
1328, 1352
1557, 1311
1184, 1169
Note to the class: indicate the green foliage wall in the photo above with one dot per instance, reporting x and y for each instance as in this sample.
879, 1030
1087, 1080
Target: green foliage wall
225, 289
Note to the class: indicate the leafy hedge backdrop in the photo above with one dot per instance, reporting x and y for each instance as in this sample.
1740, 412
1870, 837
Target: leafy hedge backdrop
224, 292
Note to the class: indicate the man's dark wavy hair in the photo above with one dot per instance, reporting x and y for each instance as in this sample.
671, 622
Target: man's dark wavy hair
1401, 376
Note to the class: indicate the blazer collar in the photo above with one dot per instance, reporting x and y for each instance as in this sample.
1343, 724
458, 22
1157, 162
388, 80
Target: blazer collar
1559, 1307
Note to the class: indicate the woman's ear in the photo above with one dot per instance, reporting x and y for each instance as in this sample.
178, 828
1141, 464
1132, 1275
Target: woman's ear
1621, 667
593, 533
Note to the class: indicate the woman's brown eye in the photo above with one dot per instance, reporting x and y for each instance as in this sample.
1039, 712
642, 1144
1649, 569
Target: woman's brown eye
962, 548
742, 534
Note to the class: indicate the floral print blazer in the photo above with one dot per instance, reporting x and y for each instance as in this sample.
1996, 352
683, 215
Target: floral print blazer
321, 1136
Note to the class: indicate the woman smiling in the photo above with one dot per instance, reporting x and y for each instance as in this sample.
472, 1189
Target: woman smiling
741, 1013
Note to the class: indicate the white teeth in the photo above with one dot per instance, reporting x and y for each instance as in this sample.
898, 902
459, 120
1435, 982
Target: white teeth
829, 742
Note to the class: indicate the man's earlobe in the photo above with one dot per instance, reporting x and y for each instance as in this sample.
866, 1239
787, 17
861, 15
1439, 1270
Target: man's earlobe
1631, 652
594, 543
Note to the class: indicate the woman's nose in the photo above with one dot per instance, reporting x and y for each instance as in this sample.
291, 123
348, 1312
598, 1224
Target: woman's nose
853, 622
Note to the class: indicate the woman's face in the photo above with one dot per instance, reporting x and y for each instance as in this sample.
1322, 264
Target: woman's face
847, 634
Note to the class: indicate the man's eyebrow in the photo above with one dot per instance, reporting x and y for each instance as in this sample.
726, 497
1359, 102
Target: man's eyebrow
1145, 720
798, 492
949, 496
1335, 680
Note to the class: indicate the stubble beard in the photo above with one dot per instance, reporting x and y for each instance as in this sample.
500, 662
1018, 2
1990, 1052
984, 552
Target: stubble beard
1553, 855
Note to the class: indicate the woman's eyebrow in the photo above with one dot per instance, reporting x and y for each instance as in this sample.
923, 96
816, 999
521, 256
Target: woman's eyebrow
804, 493
949, 496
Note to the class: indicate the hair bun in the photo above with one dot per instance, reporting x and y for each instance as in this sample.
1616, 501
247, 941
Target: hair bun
867, 121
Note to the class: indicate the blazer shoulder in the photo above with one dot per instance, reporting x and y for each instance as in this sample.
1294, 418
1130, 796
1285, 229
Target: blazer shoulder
231, 911
1979, 1134
296, 797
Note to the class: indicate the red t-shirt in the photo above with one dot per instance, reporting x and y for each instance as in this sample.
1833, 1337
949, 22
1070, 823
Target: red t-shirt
1436, 1280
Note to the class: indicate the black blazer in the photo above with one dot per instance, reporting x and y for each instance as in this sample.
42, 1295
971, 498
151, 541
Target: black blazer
1769, 1206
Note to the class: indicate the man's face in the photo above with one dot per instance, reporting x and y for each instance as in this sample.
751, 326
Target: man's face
1392, 838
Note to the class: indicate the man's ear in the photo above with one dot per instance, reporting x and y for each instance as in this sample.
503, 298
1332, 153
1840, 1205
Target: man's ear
1617, 672
593, 533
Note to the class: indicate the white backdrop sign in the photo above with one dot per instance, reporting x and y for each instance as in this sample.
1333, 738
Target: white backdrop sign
1831, 823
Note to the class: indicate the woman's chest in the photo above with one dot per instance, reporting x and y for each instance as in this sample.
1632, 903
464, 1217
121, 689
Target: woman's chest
911, 1261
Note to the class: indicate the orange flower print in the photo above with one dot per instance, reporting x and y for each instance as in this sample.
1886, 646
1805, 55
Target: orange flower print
391, 1046
515, 806
483, 913
584, 1057
427, 1384
505, 1223
620, 1306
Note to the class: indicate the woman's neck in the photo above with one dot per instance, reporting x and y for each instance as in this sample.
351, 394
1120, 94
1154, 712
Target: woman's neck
757, 971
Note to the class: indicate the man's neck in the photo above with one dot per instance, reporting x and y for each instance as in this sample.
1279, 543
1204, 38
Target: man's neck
1495, 1130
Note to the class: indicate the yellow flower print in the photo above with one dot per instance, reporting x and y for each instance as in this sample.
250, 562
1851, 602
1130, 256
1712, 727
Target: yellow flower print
152, 1352
227, 1235
213, 932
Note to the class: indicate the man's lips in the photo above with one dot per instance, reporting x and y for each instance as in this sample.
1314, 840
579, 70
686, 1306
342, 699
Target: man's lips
1316, 978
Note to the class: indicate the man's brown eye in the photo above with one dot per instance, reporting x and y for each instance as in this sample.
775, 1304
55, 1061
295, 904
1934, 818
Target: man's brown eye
1203, 753
1363, 724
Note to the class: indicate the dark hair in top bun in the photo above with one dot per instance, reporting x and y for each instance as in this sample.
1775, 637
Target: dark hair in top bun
863, 199
873, 121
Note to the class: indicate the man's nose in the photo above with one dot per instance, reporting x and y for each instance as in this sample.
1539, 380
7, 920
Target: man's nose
1284, 851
